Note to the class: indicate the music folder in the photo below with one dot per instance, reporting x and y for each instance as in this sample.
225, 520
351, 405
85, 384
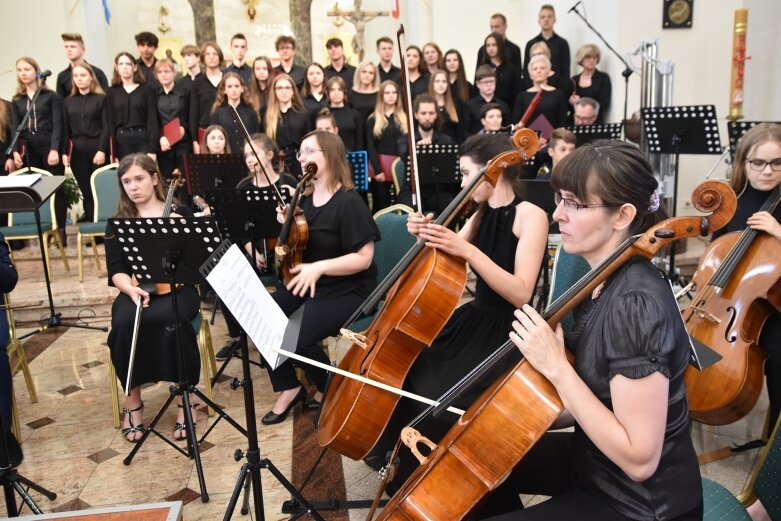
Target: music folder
171, 131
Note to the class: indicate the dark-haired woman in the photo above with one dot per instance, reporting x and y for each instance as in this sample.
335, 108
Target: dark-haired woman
631, 454
338, 271
459, 86
418, 72
313, 91
507, 76
348, 120
503, 242
259, 83
231, 94
142, 194
452, 117
132, 110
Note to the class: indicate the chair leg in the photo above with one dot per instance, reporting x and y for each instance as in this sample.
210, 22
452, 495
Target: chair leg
15, 427
95, 253
79, 256
208, 364
56, 236
114, 395
22, 364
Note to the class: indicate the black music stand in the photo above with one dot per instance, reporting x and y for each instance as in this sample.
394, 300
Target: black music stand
736, 130
359, 165
438, 170
245, 213
681, 130
250, 471
30, 199
207, 171
172, 250
589, 133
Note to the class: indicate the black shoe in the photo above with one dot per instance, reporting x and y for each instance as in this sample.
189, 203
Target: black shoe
15, 454
272, 418
375, 461
231, 346
311, 405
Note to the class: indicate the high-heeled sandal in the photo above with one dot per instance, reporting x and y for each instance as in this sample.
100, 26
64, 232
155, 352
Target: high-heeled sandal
181, 426
133, 429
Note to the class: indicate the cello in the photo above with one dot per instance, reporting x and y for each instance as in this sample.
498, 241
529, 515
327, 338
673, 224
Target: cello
737, 281
426, 286
521, 406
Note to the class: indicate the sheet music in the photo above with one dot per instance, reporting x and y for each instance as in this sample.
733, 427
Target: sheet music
241, 291
18, 181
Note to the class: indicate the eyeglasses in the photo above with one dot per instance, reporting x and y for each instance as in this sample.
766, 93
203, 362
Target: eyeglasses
571, 204
307, 152
283, 87
758, 165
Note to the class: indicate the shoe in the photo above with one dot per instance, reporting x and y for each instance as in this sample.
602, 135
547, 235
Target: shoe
15, 454
230, 347
272, 418
133, 427
311, 405
375, 461
180, 429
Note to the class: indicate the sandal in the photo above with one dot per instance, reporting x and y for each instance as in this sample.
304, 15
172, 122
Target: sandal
181, 427
133, 429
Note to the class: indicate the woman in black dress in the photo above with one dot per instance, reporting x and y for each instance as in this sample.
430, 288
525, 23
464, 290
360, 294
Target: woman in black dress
348, 120
432, 57
366, 84
173, 101
132, 110
451, 118
418, 72
553, 105
383, 129
259, 84
86, 130
503, 242
459, 86
337, 274
313, 91
285, 120
231, 93
591, 83
631, 454
204, 91
42, 139
142, 194
507, 76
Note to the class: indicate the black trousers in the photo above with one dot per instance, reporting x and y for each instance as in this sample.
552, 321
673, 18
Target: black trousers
82, 154
131, 141
770, 341
322, 318
37, 147
381, 194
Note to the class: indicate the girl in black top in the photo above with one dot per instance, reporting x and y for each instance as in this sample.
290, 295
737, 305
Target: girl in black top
285, 120
553, 105
432, 57
313, 91
261, 79
142, 194
204, 91
43, 135
507, 76
337, 273
418, 72
383, 129
755, 174
173, 101
630, 455
591, 83
231, 93
132, 110
351, 125
451, 116
366, 84
86, 130
459, 86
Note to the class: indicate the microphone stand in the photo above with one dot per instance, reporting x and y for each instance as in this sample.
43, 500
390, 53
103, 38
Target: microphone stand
627, 70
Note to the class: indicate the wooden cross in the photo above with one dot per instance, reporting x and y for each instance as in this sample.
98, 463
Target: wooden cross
359, 18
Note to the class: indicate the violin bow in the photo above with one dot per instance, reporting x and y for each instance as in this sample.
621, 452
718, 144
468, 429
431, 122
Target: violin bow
413, 153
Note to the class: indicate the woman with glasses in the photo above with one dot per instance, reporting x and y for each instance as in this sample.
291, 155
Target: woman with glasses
591, 83
630, 455
285, 120
755, 174
337, 273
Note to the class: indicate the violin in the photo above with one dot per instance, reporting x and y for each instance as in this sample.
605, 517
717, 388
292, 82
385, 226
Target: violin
501, 426
423, 290
291, 243
737, 289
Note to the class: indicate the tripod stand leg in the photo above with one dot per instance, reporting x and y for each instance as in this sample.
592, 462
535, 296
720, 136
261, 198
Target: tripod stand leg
10, 500
243, 474
192, 445
26, 498
266, 464
245, 501
35, 486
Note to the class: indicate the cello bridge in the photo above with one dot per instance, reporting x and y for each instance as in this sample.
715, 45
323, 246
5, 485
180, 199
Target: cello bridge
353, 337
705, 315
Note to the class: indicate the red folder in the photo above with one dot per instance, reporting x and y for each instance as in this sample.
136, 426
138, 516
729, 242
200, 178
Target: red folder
171, 131
542, 125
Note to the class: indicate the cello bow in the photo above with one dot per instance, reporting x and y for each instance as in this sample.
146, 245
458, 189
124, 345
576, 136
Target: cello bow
417, 203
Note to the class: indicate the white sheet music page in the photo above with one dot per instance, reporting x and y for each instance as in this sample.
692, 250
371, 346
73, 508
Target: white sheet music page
18, 181
241, 291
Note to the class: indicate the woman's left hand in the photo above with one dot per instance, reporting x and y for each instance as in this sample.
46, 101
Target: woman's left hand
53, 158
305, 280
765, 222
444, 239
543, 348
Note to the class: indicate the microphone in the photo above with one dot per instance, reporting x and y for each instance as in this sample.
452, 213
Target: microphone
574, 7
43, 75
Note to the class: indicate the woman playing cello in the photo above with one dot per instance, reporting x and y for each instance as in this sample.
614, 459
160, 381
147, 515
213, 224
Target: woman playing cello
503, 242
337, 274
631, 455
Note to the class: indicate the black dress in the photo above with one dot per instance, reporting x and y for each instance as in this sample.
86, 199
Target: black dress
474, 331
351, 127
156, 351
224, 117
600, 90
553, 106
363, 102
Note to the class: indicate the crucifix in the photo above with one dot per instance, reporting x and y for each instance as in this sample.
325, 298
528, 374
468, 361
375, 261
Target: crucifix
359, 18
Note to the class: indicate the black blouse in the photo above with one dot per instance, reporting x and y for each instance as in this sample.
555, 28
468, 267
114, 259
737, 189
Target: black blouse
45, 119
508, 81
342, 225
363, 102
313, 106
749, 203
133, 110
86, 115
600, 90
224, 117
553, 106
351, 127
634, 329
292, 126
202, 98
419, 86
387, 143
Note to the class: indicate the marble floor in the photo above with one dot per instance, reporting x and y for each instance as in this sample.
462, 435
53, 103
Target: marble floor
72, 448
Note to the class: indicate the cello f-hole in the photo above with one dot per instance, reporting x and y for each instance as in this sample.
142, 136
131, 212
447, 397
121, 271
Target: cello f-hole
733, 315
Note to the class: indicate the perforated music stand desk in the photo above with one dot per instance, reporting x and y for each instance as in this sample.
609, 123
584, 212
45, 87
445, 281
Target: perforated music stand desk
239, 209
205, 171
438, 170
359, 166
736, 130
589, 133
